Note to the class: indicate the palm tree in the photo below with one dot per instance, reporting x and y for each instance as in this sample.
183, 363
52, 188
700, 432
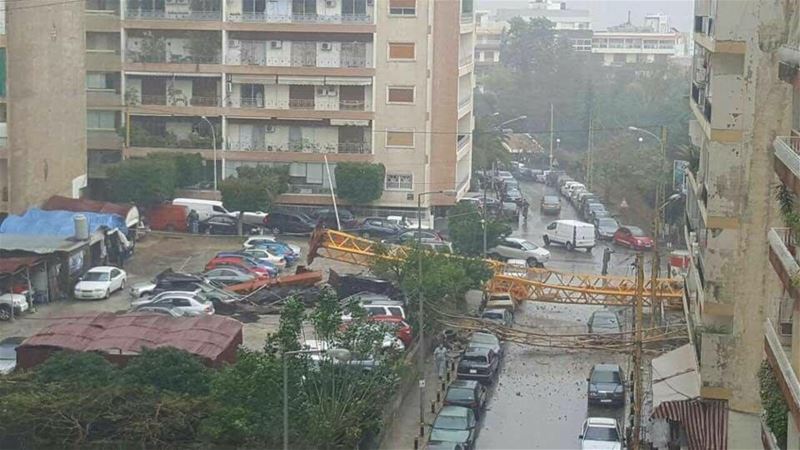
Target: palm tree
487, 145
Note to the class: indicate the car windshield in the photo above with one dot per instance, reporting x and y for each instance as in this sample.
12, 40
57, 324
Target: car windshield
96, 276
637, 232
607, 223
605, 376
551, 199
492, 315
528, 245
460, 394
604, 321
607, 434
481, 359
484, 338
450, 423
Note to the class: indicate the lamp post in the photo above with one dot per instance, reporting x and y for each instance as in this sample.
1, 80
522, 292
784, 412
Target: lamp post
214, 146
421, 313
336, 353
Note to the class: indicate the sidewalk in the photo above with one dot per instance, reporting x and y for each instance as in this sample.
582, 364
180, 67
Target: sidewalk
401, 431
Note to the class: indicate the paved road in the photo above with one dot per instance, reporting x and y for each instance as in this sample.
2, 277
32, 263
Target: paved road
539, 401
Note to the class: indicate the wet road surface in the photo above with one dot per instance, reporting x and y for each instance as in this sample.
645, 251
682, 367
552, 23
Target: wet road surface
539, 400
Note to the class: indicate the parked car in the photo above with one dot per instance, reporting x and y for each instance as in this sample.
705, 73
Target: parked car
12, 305
168, 218
575, 193
165, 281
501, 300
606, 386
437, 245
550, 205
600, 433
223, 257
570, 186
583, 197
376, 227
204, 208
264, 255
596, 210
599, 214
605, 227
401, 328
281, 249
253, 218
570, 233
478, 363
516, 248
542, 177
8, 354
588, 206
604, 322
468, 394
99, 283
633, 237
259, 241
161, 310
455, 424
486, 340
224, 225
289, 222
443, 445
238, 262
512, 195
502, 317
186, 303
228, 275
410, 237
553, 177
328, 218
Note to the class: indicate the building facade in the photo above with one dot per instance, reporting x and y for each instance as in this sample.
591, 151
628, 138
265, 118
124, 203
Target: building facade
629, 44
289, 82
37, 160
740, 106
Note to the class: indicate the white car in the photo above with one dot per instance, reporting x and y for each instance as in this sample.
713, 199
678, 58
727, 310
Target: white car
263, 255
516, 248
250, 217
184, 303
16, 303
254, 241
100, 282
600, 433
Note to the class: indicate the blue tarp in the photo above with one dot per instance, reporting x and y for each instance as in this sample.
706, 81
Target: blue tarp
58, 223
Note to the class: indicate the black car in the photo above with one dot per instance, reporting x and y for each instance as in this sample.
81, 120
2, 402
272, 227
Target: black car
410, 236
289, 222
606, 385
589, 206
605, 227
226, 225
376, 227
478, 363
328, 218
466, 393
551, 204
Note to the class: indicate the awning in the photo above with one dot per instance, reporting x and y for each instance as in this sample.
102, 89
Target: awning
298, 80
675, 376
10, 266
254, 79
348, 81
349, 123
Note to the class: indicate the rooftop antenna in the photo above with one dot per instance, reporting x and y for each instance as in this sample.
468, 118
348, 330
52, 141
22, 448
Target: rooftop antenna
629, 16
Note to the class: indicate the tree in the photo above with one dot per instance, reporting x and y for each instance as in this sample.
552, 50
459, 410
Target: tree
359, 183
168, 369
188, 167
487, 145
144, 182
253, 189
466, 230
88, 369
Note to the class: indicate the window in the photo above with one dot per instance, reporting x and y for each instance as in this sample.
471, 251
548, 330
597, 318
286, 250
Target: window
400, 182
401, 51
100, 120
397, 94
99, 81
402, 7
399, 138
488, 55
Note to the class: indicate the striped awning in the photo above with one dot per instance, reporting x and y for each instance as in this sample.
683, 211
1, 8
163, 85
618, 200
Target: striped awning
705, 421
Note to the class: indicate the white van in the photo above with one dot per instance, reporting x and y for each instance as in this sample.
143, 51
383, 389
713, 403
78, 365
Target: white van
570, 233
566, 187
204, 208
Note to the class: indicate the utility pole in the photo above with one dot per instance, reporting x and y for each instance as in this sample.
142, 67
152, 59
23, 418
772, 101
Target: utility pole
589, 156
485, 223
551, 136
655, 304
637, 355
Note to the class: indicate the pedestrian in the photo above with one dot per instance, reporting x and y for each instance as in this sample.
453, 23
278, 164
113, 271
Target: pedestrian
606, 259
193, 218
440, 359
525, 206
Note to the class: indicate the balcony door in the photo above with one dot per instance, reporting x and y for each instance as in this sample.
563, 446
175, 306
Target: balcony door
254, 7
154, 91
354, 7
304, 53
351, 98
352, 140
304, 8
354, 54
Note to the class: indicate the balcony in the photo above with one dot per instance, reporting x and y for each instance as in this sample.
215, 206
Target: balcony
467, 17
103, 97
783, 370
463, 140
170, 58
465, 60
722, 29
250, 17
164, 100
782, 256
259, 53
196, 16
787, 161
351, 148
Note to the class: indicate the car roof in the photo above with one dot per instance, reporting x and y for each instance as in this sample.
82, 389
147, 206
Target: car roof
513, 239
602, 421
605, 313
454, 411
494, 310
102, 269
573, 222
477, 351
605, 367
551, 197
464, 384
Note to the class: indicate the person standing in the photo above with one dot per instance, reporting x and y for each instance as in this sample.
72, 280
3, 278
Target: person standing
193, 218
440, 359
606, 259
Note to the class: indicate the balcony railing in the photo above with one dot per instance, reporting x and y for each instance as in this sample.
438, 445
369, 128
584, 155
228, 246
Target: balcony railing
464, 102
463, 140
296, 61
352, 105
174, 101
299, 18
138, 14
138, 57
783, 257
707, 110
309, 189
301, 147
783, 370
464, 60
301, 103
467, 17
787, 150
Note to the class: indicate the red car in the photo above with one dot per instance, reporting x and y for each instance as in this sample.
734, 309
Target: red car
403, 329
633, 237
240, 263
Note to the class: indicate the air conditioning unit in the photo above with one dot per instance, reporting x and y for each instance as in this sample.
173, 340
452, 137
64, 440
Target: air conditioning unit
332, 91
409, 197
269, 129
327, 46
276, 44
330, 3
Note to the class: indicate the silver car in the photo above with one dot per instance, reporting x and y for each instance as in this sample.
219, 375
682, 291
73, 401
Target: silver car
187, 303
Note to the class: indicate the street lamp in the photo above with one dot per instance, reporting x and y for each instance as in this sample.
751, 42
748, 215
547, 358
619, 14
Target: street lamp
340, 354
421, 314
214, 146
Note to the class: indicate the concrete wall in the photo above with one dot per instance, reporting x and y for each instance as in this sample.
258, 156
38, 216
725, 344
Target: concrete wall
46, 101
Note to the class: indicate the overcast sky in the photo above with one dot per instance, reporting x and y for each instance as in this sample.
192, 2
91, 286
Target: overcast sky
607, 13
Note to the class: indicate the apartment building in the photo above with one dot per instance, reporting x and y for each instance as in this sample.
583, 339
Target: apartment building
42, 103
288, 82
630, 44
488, 40
740, 106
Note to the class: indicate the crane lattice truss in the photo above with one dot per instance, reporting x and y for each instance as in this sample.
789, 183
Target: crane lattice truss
544, 285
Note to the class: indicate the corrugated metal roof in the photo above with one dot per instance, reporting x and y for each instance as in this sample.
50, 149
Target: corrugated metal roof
206, 336
14, 264
129, 212
40, 245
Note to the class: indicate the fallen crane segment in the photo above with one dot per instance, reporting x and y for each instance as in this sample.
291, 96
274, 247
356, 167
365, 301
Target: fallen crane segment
541, 284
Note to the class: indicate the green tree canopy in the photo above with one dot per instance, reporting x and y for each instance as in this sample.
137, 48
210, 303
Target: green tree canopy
464, 223
143, 182
254, 188
168, 369
359, 183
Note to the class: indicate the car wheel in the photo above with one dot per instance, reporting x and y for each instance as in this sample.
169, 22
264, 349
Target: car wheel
532, 262
122, 285
5, 312
495, 256
546, 241
570, 246
108, 294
